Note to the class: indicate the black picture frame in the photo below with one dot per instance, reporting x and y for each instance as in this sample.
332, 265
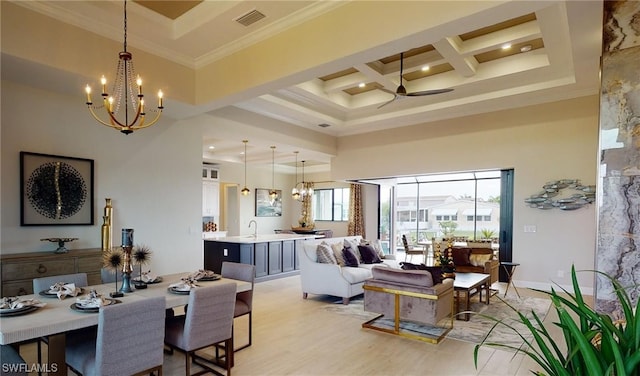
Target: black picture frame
265, 207
56, 190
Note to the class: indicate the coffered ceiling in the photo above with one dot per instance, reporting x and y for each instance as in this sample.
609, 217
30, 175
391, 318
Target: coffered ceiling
493, 55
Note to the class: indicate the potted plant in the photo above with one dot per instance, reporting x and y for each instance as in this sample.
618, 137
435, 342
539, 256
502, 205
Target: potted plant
487, 233
445, 260
594, 343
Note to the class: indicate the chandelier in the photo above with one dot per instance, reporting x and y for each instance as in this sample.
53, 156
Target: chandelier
303, 189
126, 92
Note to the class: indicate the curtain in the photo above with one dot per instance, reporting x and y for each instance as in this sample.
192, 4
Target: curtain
306, 220
356, 215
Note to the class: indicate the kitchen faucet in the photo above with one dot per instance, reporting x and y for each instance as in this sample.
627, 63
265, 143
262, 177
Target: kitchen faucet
255, 231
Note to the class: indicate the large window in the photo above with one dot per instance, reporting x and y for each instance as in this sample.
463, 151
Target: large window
331, 204
461, 204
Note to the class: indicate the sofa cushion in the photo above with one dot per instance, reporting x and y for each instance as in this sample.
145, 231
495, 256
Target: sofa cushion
410, 277
325, 254
355, 275
436, 271
461, 256
350, 257
368, 254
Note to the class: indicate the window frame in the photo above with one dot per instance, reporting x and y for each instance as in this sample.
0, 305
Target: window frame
345, 202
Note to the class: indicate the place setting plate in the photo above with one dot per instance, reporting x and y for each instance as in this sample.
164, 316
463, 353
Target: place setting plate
79, 308
152, 282
209, 278
53, 294
5, 312
174, 290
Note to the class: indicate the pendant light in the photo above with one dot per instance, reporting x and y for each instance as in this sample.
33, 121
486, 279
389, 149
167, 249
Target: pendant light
245, 191
272, 193
303, 188
294, 192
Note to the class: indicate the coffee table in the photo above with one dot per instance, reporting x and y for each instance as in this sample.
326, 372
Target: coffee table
470, 284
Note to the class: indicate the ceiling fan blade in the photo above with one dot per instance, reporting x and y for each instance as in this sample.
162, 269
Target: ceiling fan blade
428, 92
386, 103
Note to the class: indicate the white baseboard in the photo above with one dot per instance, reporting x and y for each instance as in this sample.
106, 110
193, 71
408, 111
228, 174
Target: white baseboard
587, 291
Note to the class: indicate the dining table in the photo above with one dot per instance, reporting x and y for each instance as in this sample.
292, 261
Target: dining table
59, 317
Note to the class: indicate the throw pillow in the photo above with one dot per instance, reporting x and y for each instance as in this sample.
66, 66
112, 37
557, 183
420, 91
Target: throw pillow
436, 271
325, 254
369, 255
354, 247
461, 256
375, 244
337, 252
350, 258
479, 260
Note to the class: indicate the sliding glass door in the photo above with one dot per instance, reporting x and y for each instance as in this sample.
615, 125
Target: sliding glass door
463, 205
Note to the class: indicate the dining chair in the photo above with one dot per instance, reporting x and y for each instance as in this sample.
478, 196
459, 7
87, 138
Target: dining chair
409, 252
208, 321
44, 283
12, 363
244, 299
129, 341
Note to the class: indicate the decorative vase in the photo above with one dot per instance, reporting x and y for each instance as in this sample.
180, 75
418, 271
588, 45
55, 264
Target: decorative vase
107, 227
104, 233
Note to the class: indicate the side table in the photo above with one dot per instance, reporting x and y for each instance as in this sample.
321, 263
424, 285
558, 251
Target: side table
510, 269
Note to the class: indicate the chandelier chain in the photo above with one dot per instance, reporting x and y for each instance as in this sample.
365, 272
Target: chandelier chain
125, 25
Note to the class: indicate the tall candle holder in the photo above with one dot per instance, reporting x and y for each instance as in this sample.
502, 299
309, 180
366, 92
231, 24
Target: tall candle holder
127, 268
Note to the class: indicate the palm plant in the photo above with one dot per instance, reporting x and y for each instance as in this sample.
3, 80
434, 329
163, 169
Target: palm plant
594, 343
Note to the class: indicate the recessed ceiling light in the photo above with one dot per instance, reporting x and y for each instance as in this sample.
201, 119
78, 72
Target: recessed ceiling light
506, 46
425, 68
211, 147
361, 85
526, 48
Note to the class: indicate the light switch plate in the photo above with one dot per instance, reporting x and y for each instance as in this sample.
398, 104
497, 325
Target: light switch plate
530, 228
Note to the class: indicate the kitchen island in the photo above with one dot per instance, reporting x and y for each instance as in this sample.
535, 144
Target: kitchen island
274, 255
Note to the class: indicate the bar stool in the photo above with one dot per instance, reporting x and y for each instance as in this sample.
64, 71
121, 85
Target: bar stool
510, 269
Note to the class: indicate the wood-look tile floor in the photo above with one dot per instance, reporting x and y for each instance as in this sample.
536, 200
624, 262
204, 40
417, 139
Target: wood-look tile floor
293, 336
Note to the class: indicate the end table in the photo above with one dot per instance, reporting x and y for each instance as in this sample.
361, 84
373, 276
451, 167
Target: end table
510, 269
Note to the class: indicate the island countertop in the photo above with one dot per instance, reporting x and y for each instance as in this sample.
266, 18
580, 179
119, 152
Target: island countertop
261, 238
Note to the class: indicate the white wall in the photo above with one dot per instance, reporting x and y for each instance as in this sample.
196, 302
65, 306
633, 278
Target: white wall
541, 143
153, 177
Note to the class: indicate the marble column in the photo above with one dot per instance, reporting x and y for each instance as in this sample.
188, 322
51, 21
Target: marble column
618, 247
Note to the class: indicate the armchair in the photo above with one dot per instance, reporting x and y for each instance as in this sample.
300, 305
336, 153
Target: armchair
408, 295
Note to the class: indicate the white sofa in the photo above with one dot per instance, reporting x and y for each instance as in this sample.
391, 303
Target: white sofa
332, 279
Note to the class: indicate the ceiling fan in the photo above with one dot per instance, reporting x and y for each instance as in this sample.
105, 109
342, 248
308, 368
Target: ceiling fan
402, 92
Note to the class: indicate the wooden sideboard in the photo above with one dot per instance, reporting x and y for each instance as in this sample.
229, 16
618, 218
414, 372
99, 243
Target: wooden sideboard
19, 270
